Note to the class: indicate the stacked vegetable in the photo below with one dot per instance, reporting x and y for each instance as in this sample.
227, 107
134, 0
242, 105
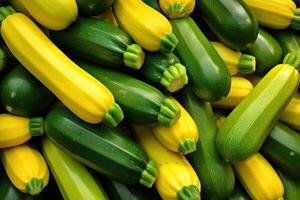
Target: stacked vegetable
129, 94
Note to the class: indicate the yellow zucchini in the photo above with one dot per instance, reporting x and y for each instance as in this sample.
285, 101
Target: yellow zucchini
84, 95
177, 179
259, 179
147, 27
182, 136
52, 14
177, 8
240, 88
276, 14
235, 61
26, 168
15, 130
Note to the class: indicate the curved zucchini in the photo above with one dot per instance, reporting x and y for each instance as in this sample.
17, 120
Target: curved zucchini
150, 29
141, 103
288, 40
22, 94
267, 52
282, 147
52, 14
231, 21
93, 7
291, 186
216, 175
165, 69
56, 71
73, 179
208, 74
100, 42
100, 147
177, 9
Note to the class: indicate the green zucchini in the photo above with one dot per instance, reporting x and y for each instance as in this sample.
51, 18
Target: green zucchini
100, 147
93, 7
22, 94
140, 102
248, 125
288, 39
239, 193
232, 21
208, 74
119, 191
154, 4
99, 42
267, 52
164, 69
73, 179
3, 59
216, 175
282, 147
291, 186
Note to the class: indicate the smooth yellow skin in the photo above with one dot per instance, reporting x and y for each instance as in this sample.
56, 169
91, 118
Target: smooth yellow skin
275, 14
291, 114
189, 6
229, 56
22, 163
183, 129
84, 95
109, 17
14, 130
240, 88
144, 24
175, 171
52, 14
259, 178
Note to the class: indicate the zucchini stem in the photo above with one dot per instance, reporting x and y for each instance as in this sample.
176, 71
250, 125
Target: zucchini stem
134, 56
149, 174
187, 146
296, 20
175, 77
114, 116
188, 193
36, 126
5, 11
169, 113
293, 59
177, 10
247, 64
34, 186
168, 43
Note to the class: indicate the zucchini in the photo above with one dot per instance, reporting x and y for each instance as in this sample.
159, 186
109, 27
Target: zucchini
100, 42
282, 147
154, 4
140, 102
22, 94
288, 39
177, 9
100, 147
231, 20
291, 186
239, 193
73, 179
267, 52
243, 132
216, 176
4, 59
208, 74
93, 7
164, 69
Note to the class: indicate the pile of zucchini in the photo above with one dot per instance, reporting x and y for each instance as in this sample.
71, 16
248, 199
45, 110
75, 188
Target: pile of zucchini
150, 99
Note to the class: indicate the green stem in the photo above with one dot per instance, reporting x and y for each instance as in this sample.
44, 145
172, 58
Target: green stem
247, 64
114, 116
175, 77
134, 56
177, 10
168, 43
169, 113
188, 193
187, 146
5, 11
149, 174
34, 186
296, 20
36, 126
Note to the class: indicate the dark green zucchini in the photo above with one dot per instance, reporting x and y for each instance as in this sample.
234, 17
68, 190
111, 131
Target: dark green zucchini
100, 147
164, 69
291, 186
282, 147
288, 39
208, 74
216, 175
239, 193
154, 4
232, 21
22, 94
93, 7
99, 42
140, 102
267, 52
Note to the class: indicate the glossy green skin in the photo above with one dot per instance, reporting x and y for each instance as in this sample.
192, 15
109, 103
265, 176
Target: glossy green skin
95, 41
267, 52
239, 193
288, 39
154, 4
282, 147
23, 93
93, 7
216, 175
119, 191
208, 74
231, 20
156, 64
100, 147
291, 186
139, 101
